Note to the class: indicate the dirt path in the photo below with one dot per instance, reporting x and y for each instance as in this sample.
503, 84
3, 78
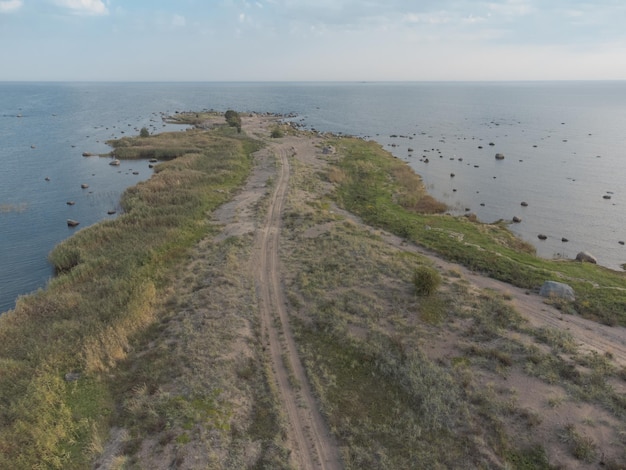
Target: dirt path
590, 335
311, 444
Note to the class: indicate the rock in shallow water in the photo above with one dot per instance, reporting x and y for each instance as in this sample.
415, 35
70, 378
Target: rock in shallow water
586, 257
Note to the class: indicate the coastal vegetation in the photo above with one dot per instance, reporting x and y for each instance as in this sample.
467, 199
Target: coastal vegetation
412, 366
233, 119
383, 191
146, 349
58, 345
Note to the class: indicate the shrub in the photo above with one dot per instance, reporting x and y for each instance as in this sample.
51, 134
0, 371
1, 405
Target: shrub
426, 280
233, 119
277, 133
144, 132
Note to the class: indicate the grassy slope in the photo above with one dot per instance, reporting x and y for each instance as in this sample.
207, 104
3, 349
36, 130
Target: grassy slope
109, 280
370, 186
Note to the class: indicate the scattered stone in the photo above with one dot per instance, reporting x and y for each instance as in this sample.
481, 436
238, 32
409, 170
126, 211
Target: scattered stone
111, 212
88, 154
451, 175
84, 185
541, 236
72, 223
72, 376
70, 203
557, 289
564, 240
114, 162
606, 196
492, 144
499, 156
47, 178
524, 204
621, 242
586, 257
516, 219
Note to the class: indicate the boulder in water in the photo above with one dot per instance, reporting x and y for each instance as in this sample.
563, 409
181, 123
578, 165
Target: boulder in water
586, 257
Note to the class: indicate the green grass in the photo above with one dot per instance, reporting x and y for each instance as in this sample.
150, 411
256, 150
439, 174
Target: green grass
108, 281
360, 329
375, 186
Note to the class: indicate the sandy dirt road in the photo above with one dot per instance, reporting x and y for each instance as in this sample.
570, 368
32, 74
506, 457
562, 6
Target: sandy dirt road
311, 444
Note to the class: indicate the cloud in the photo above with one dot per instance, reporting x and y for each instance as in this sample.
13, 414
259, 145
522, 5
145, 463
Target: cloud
9, 6
84, 7
178, 21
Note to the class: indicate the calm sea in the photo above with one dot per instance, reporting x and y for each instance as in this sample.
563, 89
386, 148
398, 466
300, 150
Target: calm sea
564, 145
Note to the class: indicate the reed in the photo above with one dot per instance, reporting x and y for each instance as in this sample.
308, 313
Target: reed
108, 281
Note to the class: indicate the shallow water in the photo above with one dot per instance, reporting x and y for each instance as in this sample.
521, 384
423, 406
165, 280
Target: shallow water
577, 128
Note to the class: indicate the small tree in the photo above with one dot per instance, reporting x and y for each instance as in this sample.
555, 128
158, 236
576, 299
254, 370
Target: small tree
233, 119
144, 132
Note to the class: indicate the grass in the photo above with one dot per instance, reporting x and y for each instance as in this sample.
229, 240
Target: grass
106, 290
581, 446
385, 193
360, 329
160, 321
363, 333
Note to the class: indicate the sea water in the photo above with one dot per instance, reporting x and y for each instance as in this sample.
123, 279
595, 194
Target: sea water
563, 143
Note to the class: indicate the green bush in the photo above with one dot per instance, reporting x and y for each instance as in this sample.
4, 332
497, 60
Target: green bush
426, 280
277, 133
144, 132
233, 119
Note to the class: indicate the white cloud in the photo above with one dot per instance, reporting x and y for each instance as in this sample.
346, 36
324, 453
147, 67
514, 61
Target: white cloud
10, 5
178, 21
512, 8
84, 7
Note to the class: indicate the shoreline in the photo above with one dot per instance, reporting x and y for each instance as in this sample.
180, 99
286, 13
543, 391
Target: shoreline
158, 339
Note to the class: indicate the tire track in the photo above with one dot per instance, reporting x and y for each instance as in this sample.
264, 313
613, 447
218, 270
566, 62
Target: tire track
311, 444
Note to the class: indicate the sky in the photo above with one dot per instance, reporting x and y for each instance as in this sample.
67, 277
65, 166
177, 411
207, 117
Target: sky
312, 40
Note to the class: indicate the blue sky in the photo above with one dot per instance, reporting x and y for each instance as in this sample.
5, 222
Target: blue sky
277, 40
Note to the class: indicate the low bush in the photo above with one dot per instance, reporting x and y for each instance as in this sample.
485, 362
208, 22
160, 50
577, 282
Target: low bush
426, 280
